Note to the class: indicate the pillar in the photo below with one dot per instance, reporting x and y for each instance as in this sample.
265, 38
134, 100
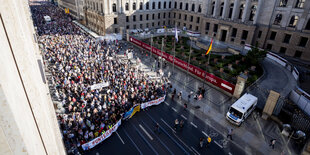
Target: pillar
246, 10
216, 8
205, 7
259, 8
270, 104
241, 80
236, 9
226, 8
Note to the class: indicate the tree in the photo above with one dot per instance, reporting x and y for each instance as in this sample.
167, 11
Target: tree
254, 56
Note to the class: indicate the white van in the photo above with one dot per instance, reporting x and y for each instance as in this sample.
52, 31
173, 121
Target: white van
241, 109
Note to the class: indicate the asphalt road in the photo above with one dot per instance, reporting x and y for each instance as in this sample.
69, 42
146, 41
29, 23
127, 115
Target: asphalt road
137, 136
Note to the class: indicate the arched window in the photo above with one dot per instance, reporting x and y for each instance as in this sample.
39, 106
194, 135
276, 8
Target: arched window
212, 8
199, 8
241, 11
147, 5
253, 12
170, 5
193, 7
222, 8
231, 8
308, 25
293, 21
181, 6
300, 3
186, 6
126, 6
278, 19
283, 3
175, 5
154, 5
159, 5
165, 5
134, 7
114, 7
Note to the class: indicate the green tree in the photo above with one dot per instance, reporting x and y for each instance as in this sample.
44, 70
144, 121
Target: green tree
254, 56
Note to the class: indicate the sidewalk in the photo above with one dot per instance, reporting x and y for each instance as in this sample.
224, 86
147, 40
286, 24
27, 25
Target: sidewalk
253, 136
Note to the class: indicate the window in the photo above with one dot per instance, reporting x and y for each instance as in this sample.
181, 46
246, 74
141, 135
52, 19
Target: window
197, 28
283, 3
153, 16
282, 50
115, 30
141, 17
179, 16
169, 15
244, 35
153, 24
134, 18
215, 28
134, 6
158, 23
297, 54
147, 16
303, 41
185, 17
159, 5
293, 21
269, 47
278, 19
308, 25
212, 10
147, 25
300, 3
170, 5
190, 27
154, 5
101, 8
186, 6
287, 38
234, 32
141, 26
165, 5
198, 20
181, 6
158, 15
141, 6
114, 7
127, 18
253, 12
164, 22
199, 8
193, 7
127, 27
241, 11
147, 5
175, 5
134, 26
259, 34
126, 6
115, 20
192, 18
231, 8
164, 15
221, 10
207, 26
174, 14
273, 35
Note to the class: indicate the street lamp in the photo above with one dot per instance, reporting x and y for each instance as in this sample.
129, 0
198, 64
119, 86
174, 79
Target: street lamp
162, 52
189, 60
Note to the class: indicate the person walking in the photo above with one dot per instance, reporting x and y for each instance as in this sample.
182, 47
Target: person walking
176, 123
229, 134
272, 143
181, 124
157, 128
201, 141
208, 141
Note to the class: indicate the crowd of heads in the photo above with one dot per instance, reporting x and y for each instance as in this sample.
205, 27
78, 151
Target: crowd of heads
77, 61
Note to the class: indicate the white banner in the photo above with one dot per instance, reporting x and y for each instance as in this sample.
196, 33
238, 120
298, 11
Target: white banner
99, 85
154, 102
101, 138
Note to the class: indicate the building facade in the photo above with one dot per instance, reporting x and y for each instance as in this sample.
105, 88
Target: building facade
280, 26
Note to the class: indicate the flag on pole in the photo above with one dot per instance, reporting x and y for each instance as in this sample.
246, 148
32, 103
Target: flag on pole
176, 34
210, 47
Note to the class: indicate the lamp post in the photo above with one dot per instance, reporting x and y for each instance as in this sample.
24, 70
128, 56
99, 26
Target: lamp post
162, 52
189, 60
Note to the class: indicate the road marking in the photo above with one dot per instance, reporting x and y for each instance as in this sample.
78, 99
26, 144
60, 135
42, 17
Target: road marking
146, 132
183, 117
167, 103
229, 153
195, 150
120, 137
205, 134
167, 125
174, 109
97, 153
218, 144
133, 143
193, 124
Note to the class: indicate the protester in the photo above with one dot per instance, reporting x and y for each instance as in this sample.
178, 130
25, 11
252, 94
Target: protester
229, 134
77, 62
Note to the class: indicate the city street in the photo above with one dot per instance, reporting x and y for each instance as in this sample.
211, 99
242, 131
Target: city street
137, 136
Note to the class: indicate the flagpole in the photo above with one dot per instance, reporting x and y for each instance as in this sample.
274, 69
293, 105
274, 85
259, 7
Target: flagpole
188, 62
162, 52
174, 53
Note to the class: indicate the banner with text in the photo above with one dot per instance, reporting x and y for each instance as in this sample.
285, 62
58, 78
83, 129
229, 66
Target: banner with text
184, 65
101, 138
154, 102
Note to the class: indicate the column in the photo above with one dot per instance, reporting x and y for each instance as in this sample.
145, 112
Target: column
119, 6
206, 7
246, 10
236, 9
108, 6
259, 7
216, 8
226, 8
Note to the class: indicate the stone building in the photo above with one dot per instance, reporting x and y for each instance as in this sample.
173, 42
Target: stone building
280, 26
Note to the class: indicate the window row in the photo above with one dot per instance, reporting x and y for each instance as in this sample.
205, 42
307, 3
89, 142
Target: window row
187, 7
158, 5
297, 4
287, 38
292, 22
147, 17
148, 25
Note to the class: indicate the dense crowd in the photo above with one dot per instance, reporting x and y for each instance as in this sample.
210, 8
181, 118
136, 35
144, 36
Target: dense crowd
76, 62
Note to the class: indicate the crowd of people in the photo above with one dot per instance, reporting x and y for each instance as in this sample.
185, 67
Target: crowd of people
77, 62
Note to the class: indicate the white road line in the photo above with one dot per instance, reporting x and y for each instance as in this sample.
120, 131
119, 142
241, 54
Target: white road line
167, 125
167, 103
195, 150
193, 124
146, 132
183, 117
205, 134
120, 137
218, 144
229, 153
174, 109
